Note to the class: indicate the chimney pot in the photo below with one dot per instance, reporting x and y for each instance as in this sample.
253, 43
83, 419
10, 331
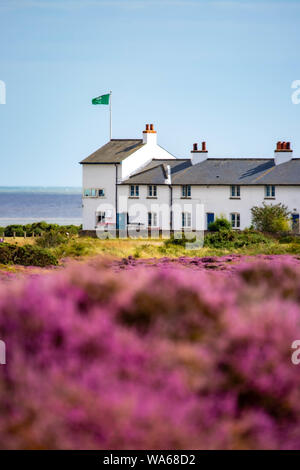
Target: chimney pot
195, 147
203, 146
283, 153
149, 135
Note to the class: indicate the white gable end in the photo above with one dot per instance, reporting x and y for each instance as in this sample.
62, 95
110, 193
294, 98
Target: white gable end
144, 155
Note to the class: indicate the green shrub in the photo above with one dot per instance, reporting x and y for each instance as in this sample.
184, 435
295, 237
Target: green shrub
179, 240
39, 228
27, 255
220, 224
271, 218
14, 230
286, 239
7, 253
73, 248
51, 239
232, 239
289, 239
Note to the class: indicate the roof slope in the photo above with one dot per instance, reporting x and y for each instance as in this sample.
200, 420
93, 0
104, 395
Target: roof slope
156, 171
114, 151
248, 171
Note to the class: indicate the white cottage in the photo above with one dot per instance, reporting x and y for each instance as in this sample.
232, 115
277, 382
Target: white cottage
136, 184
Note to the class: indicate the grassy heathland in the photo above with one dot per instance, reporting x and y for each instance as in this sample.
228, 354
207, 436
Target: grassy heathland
158, 248
77, 247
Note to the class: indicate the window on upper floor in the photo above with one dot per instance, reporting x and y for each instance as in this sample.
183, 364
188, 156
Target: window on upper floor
235, 191
269, 191
93, 192
152, 190
152, 219
134, 191
186, 190
235, 220
186, 218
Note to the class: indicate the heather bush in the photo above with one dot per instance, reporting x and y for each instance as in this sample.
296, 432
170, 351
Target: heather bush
151, 358
6, 253
26, 255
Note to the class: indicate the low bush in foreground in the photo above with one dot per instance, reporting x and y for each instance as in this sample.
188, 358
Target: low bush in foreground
234, 239
26, 255
151, 359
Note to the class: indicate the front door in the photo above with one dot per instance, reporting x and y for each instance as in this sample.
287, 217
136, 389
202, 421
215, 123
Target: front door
210, 217
121, 220
295, 223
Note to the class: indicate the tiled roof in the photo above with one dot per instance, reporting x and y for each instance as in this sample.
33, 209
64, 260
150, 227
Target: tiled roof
247, 171
114, 151
156, 171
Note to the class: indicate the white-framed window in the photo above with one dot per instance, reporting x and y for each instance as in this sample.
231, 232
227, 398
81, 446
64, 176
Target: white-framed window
134, 190
186, 218
152, 190
100, 218
235, 220
235, 191
152, 219
269, 191
94, 192
186, 190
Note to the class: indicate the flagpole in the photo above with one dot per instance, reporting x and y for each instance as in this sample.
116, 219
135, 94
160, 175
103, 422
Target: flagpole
110, 119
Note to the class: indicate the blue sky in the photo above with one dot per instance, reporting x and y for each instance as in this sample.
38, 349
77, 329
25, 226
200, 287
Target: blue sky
219, 71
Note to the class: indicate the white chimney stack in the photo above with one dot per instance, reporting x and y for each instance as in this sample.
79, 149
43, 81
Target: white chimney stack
168, 179
283, 153
199, 156
149, 135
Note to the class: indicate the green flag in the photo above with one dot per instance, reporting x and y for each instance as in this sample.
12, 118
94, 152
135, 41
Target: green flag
103, 99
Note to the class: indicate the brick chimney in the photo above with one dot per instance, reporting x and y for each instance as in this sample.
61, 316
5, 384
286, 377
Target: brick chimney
149, 135
283, 153
199, 156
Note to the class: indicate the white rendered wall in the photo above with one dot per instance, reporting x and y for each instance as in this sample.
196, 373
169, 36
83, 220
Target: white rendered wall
98, 176
193, 205
204, 199
217, 199
142, 157
138, 208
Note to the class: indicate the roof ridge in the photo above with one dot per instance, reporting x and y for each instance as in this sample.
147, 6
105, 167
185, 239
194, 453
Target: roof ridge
170, 159
240, 158
117, 140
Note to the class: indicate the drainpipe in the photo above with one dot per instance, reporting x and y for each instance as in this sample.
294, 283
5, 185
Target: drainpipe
169, 182
171, 211
116, 201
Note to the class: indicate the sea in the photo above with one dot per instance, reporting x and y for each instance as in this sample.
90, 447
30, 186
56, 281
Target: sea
25, 205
